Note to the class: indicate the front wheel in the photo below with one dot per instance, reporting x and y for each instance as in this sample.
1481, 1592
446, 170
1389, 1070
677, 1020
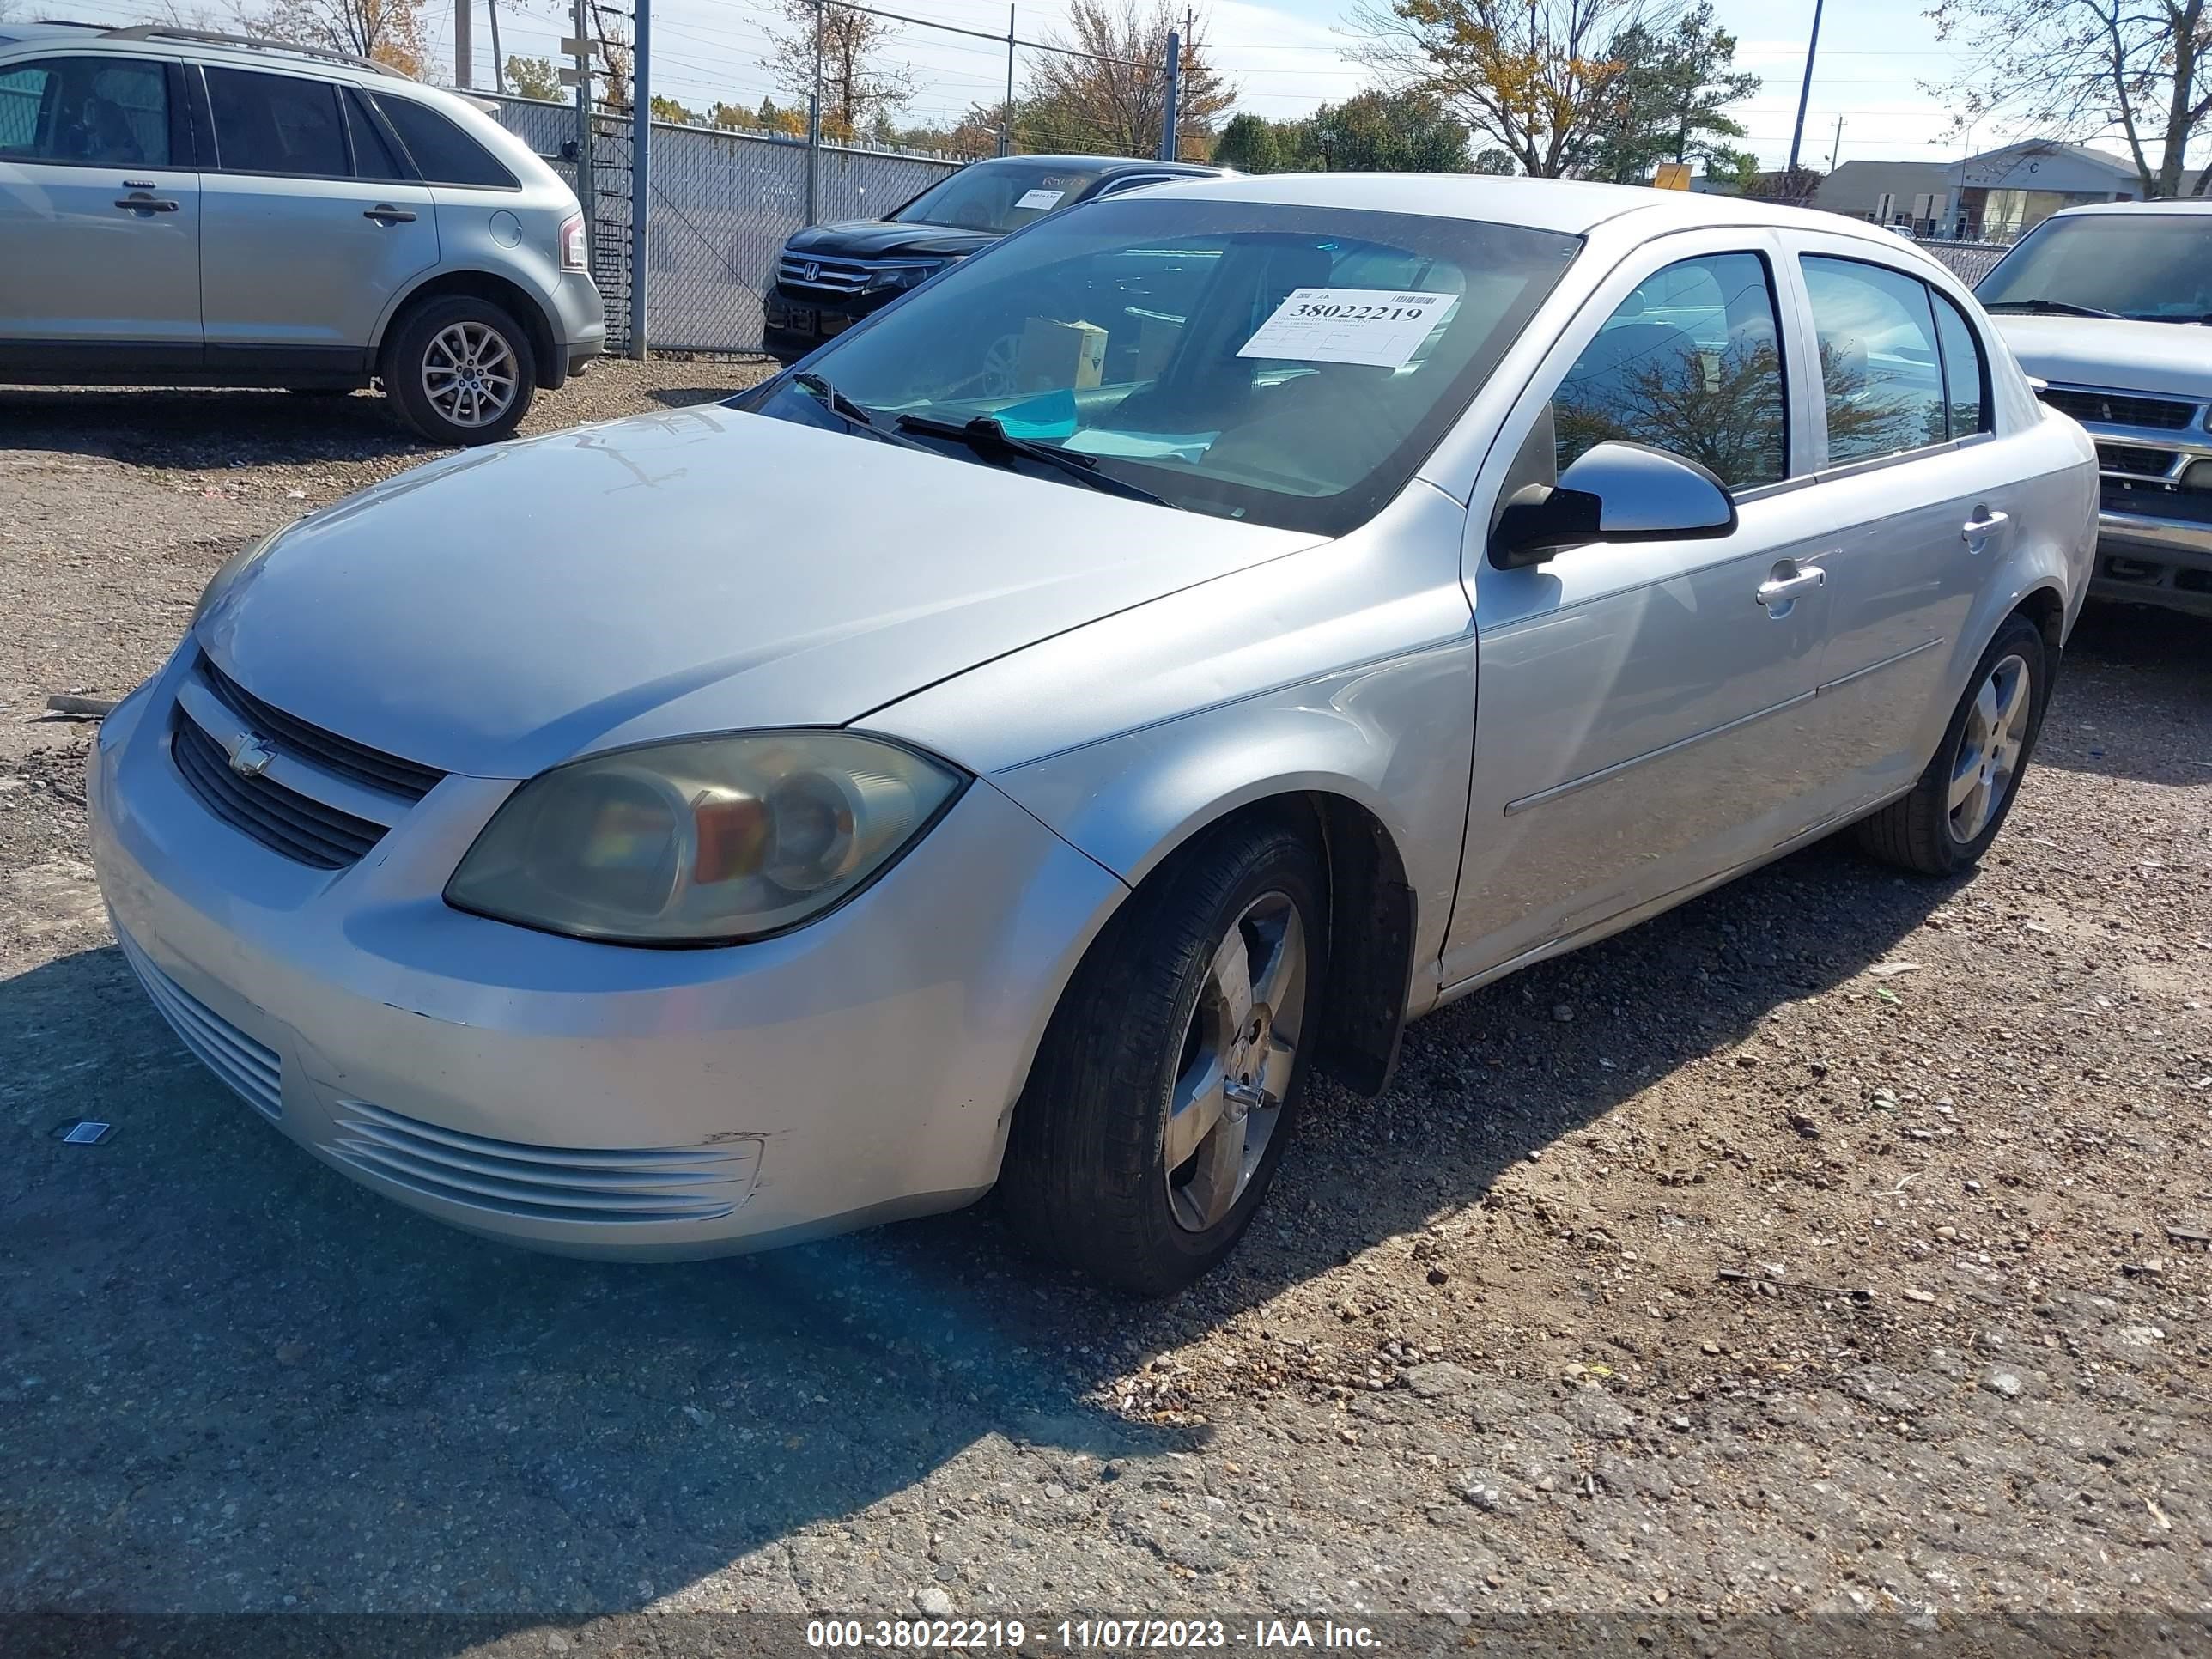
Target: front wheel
1171, 1077
461, 370
1955, 811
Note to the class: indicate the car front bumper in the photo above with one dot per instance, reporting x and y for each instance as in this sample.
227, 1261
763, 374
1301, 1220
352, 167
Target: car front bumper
588, 1099
796, 320
2145, 559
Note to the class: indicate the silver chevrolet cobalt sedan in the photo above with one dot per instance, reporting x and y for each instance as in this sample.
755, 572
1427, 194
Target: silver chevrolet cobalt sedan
1151, 662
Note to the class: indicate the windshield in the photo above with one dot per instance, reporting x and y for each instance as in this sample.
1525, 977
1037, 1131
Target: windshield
999, 195
2153, 267
1289, 366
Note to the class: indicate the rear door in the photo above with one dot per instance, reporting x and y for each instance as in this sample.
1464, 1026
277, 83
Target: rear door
314, 223
1926, 493
100, 216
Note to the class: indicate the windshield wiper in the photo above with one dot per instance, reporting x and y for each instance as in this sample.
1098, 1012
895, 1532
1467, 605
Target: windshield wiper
854, 414
2051, 307
986, 437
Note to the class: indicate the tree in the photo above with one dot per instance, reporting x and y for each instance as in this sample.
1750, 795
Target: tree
1494, 162
858, 82
534, 77
1248, 144
2084, 69
1114, 101
1669, 101
392, 32
1545, 80
667, 109
1389, 132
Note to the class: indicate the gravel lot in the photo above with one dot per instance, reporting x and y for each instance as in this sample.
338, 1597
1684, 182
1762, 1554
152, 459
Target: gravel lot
1805, 1251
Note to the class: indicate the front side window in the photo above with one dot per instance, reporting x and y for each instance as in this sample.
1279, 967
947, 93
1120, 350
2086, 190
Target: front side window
1689, 362
443, 154
98, 111
277, 123
1283, 365
1880, 373
2152, 267
998, 197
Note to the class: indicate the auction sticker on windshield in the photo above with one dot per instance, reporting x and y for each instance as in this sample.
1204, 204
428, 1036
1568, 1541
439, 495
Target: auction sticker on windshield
1039, 198
1370, 325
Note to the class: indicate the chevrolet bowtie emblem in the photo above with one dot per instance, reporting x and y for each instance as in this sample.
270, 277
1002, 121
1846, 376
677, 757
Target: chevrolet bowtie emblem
249, 755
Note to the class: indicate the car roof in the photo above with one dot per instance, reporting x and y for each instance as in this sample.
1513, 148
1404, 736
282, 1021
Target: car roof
2199, 205
1557, 204
195, 43
1107, 164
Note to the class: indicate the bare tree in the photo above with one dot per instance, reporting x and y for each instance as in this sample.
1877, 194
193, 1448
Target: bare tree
1550, 81
390, 31
1114, 100
858, 82
2139, 70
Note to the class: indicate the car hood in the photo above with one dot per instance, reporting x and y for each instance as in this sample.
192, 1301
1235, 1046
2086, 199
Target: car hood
2172, 359
705, 569
880, 239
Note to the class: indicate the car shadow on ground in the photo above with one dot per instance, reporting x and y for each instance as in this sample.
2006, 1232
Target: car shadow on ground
198, 428
253, 1383
2156, 664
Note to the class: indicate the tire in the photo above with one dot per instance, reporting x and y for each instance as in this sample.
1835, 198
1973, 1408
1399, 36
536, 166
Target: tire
1089, 1177
441, 341
1934, 831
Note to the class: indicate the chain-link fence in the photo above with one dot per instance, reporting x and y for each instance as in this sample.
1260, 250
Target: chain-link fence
1969, 261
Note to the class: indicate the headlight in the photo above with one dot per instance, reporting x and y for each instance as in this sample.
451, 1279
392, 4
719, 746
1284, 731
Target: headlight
911, 275
708, 840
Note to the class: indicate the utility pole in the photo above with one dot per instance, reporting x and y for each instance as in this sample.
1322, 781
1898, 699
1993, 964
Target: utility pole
465, 49
641, 165
814, 125
587, 177
1836, 148
1175, 92
1006, 109
498, 61
1805, 92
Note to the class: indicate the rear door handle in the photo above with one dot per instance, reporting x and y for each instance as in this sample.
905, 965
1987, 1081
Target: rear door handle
1789, 580
385, 215
144, 203
1978, 530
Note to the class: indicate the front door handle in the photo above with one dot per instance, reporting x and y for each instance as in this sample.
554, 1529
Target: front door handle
1790, 579
385, 215
143, 203
1978, 530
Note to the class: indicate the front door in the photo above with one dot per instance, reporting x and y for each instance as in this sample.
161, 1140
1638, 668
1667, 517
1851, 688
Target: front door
310, 232
100, 217
1637, 723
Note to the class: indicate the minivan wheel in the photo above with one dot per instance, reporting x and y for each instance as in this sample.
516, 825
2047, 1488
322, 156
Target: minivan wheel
1172, 1074
1955, 811
461, 370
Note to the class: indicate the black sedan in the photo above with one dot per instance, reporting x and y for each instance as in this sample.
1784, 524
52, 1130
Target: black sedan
829, 277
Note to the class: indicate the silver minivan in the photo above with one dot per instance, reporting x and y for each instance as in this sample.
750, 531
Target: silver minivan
181, 207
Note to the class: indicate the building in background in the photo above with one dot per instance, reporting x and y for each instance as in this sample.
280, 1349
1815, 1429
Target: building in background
1994, 196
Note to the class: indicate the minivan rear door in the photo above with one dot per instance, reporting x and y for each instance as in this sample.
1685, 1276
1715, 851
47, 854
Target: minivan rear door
314, 224
100, 217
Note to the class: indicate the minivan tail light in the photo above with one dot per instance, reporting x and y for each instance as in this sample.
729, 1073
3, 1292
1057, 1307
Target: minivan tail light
571, 242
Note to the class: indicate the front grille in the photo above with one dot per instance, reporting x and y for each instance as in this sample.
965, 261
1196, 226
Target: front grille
2134, 458
830, 276
281, 819
2119, 408
357, 761
547, 1184
251, 1069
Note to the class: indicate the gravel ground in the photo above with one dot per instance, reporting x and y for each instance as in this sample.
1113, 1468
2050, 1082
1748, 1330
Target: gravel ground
1803, 1251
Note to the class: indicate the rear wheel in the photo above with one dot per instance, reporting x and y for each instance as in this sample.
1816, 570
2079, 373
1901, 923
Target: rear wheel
1955, 811
1172, 1075
461, 370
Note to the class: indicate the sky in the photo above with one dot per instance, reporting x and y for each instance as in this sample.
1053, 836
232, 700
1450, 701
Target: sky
1286, 56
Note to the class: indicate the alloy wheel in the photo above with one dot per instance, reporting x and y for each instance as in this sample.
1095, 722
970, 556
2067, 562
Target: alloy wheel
470, 374
1989, 749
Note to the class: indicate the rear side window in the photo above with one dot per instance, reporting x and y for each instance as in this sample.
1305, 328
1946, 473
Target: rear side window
96, 111
443, 154
1880, 371
1689, 362
1966, 371
371, 156
277, 123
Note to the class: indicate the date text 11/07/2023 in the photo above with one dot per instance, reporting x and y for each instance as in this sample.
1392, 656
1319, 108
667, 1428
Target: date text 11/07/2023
1086, 1635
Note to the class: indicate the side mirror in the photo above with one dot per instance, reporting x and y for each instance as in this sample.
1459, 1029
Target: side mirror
1614, 492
